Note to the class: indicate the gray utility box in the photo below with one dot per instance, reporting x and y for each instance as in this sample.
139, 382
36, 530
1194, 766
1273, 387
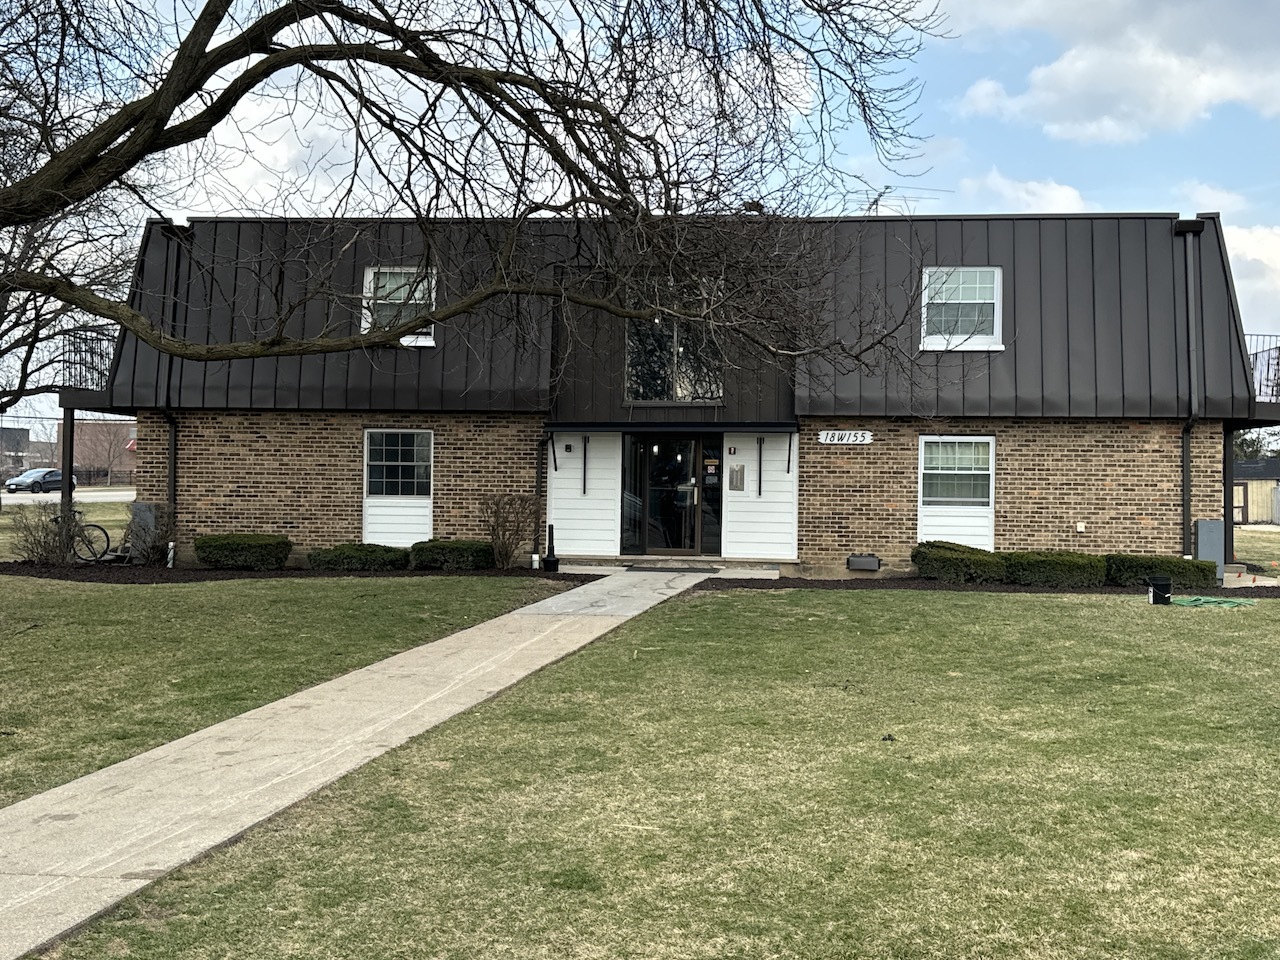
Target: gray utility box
1211, 543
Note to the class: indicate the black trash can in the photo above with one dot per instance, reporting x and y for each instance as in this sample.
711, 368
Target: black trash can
1159, 590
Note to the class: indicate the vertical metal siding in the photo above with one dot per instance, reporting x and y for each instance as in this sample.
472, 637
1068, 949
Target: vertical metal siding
1054, 306
1135, 320
1002, 381
1082, 383
1165, 343
1108, 343
1024, 345
1093, 324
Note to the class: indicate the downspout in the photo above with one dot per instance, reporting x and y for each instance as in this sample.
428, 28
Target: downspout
537, 496
1188, 230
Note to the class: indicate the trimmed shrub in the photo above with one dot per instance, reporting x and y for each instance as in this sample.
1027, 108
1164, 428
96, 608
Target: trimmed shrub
1054, 568
1131, 570
359, 556
956, 563
244, 551
451, 555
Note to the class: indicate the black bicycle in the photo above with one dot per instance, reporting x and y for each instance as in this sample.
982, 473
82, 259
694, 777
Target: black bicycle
89, 542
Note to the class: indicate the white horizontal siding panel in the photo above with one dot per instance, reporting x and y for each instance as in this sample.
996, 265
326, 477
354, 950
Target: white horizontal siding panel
971, 526
397, 521
759, 522
587, 524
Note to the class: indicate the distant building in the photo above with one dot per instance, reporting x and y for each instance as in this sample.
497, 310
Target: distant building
15, 449
1255, 483
105, 451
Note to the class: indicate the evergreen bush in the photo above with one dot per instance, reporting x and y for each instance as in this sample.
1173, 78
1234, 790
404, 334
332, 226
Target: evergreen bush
1054, 568
450, 555
244, 551
358, 557
1132, 570
956, 563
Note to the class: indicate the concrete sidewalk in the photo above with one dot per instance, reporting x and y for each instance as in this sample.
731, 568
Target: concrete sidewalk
71, 853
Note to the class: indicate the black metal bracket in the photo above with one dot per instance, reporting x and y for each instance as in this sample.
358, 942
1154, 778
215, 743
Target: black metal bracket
759, 466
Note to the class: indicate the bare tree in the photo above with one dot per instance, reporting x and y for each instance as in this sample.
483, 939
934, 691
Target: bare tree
101, 446
694, 136
48, 344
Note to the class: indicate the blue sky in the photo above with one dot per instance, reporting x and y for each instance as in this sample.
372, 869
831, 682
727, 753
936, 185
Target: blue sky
1045, 106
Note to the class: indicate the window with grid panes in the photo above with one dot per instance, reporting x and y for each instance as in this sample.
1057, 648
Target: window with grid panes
962, 309
955, 472
395, 294
398, 463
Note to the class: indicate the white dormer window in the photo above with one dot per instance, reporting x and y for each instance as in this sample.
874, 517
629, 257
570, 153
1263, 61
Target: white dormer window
395, 294
962, 309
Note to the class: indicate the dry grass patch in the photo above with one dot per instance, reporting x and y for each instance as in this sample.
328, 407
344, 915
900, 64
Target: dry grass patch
1257, 546
803, 775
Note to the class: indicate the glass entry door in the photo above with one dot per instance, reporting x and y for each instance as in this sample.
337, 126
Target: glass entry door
671, 495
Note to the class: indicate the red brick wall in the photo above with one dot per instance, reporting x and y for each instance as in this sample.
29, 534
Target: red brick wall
301, 473
1121, 478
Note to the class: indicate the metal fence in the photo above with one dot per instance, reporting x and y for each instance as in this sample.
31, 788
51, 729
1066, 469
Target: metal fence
86, 359
1264, 354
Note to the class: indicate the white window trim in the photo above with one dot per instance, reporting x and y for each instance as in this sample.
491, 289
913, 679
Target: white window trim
986, 513
426, 338
950, 438
365, 466
971, 342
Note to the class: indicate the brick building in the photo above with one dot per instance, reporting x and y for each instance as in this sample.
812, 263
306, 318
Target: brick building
1072, 382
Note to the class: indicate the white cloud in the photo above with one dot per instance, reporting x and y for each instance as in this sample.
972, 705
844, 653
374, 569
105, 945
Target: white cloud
1255, 254
1206, 198
1129, 69
996, 193
1255, 265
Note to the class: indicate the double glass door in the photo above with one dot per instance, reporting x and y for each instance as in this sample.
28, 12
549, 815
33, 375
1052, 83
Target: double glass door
671, 494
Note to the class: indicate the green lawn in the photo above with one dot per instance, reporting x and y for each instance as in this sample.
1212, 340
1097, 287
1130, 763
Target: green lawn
91, 674
111, 516
1261, 547
796, 774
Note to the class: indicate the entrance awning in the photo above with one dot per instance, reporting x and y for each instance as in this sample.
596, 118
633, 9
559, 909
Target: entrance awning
716, 426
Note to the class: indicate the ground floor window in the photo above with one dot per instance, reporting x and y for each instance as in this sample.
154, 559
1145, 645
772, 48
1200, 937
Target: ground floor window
397, 487
957, 490
955, 472
398, 463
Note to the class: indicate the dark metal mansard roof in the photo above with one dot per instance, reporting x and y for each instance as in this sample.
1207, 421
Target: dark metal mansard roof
1094, 320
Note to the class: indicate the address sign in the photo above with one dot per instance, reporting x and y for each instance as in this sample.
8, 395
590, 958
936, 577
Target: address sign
844, 436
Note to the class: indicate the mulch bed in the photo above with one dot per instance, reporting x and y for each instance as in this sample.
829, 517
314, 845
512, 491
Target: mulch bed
125, 573
917, 583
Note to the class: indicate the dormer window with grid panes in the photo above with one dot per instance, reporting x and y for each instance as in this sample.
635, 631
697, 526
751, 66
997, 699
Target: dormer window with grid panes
962, 309
393, 295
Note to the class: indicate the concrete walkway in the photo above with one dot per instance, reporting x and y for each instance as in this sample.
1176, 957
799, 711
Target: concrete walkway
72, 853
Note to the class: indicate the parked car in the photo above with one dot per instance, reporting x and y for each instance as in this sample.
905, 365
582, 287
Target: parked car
40, 480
